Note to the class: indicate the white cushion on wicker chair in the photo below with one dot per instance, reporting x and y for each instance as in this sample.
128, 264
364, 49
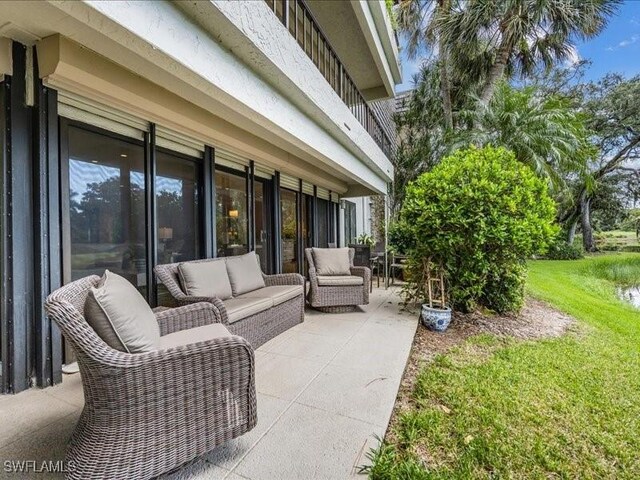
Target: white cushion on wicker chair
244, 273
339, 280
193, 335
239, 308
278, 293
205, 279
331, 261
121, 316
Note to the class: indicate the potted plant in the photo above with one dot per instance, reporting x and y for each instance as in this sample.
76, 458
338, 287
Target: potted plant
365, 239
428, 284
435, 317
435, 313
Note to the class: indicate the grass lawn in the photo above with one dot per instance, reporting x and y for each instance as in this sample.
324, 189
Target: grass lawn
614, 240
566, 407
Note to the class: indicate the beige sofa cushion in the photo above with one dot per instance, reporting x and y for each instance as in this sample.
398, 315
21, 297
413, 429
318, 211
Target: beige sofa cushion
205, 279
278, 293
339, 280
239, 308
244, 273
193, 335
121, 316
331, 261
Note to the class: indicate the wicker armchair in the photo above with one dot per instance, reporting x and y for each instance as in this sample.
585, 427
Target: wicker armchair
338, 298
148, 413
258, 328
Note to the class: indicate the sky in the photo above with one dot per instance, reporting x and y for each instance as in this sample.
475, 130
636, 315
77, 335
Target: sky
616, 49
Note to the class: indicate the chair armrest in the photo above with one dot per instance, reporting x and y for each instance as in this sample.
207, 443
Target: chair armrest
188, 316
364, 272
216, 302
283, 279
201, 370
313, 275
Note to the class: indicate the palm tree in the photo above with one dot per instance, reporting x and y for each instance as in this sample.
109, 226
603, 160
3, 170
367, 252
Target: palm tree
421, 20
498, 38
543, 132
523, 34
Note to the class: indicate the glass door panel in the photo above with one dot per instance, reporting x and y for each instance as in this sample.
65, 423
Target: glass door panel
178, 223
106, 207
231, 214
288, 206
263, 224
323, 223
177, 206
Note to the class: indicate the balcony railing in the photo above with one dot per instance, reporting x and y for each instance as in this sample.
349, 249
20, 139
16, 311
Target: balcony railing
295, 15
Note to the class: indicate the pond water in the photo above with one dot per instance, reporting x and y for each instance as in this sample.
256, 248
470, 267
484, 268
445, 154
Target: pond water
631, 295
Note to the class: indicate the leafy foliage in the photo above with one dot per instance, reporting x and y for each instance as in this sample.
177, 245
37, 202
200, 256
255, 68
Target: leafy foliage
612, 107
544, 132
401, 238
480, 213
561, 250
365, 239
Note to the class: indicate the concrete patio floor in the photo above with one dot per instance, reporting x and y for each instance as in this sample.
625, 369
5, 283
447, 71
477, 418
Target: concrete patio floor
325, 388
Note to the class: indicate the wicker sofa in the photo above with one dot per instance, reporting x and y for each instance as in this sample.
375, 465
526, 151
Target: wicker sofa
257, 327
148, 413
338, 293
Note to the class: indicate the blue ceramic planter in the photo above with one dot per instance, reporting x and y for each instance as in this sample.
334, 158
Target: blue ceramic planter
436, 319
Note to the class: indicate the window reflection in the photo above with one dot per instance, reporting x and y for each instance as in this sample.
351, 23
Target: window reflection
288, 205
106, 206
262, 225
177, 208
323, 223
231, 214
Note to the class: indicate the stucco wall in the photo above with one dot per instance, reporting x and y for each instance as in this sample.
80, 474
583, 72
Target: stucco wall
6, 65
273, 85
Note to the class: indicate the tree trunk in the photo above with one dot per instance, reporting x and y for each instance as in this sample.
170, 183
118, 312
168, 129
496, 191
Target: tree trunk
571, 235
445, 82
585, 218
445, 91
496, 72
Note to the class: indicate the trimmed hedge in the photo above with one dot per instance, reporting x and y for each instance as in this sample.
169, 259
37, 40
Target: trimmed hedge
481, 213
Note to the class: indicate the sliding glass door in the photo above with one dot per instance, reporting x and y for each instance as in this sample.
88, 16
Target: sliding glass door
105, 202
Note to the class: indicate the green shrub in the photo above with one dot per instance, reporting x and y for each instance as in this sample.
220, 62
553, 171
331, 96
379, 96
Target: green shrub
481, 214
561, 250
365, 239
400, 237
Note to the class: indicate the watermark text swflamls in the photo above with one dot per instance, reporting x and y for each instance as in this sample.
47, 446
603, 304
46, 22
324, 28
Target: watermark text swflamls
38, 466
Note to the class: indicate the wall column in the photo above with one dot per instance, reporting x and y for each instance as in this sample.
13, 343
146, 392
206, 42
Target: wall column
18, 285
47, 234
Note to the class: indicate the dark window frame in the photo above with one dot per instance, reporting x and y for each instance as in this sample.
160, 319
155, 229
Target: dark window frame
267, 199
